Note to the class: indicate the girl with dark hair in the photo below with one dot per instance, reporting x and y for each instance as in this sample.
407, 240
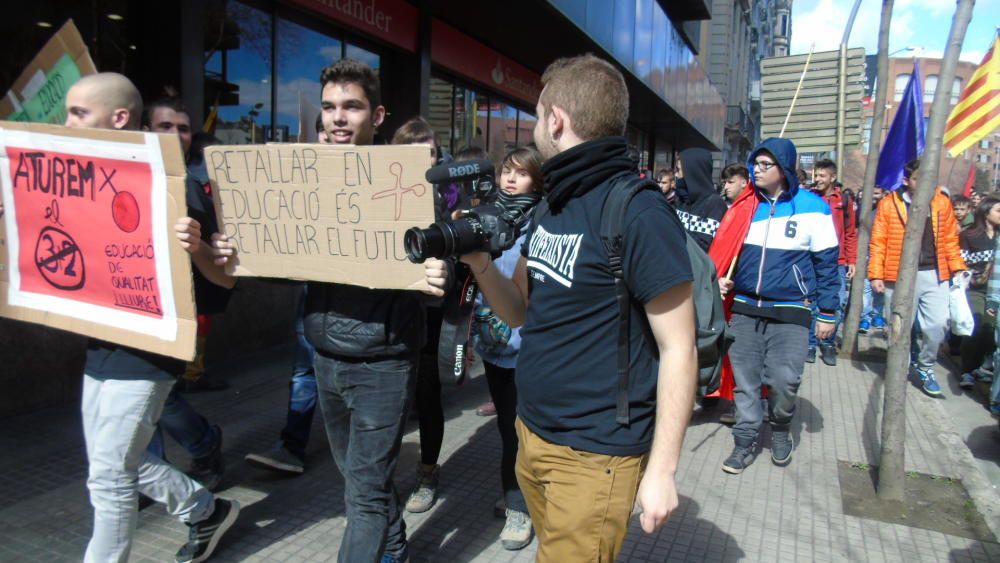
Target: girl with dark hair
977, 244
498, 345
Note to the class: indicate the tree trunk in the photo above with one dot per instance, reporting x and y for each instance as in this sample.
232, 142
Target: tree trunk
856, 301
891, 474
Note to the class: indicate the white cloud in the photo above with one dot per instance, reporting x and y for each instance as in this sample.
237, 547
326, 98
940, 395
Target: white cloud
330, 52
823, 22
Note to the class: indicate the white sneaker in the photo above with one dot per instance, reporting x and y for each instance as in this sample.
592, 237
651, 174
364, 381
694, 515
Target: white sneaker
517, 532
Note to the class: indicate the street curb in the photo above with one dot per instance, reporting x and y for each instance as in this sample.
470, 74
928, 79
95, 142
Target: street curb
983, 493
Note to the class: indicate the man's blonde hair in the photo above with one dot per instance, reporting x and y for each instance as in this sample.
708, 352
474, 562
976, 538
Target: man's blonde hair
591, 91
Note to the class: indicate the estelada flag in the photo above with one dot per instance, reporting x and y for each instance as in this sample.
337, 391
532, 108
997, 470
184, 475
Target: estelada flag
725, 249
977, 113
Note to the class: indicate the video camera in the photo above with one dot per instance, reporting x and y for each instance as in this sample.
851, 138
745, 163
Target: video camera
491, 227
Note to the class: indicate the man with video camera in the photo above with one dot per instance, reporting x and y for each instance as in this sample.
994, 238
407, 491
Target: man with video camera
580, 469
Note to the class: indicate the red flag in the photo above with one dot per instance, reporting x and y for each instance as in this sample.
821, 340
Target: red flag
724, 251
970, 181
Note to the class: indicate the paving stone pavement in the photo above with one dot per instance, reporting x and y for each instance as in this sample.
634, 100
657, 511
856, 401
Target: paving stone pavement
766, 514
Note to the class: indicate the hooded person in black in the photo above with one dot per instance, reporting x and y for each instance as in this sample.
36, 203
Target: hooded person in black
699, 207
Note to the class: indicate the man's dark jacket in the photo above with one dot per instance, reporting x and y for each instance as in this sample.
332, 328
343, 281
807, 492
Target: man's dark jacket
356, 322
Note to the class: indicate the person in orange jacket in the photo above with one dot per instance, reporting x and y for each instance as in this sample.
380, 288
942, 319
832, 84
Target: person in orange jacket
940, 260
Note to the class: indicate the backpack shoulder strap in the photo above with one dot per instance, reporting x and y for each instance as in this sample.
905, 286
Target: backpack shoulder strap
623, 189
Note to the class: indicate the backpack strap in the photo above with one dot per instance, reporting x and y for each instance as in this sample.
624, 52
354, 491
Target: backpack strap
623, 189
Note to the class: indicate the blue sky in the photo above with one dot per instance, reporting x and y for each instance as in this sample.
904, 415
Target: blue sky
915, 23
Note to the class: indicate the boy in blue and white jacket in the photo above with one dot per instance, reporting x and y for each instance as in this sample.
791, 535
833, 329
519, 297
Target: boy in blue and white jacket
787, 263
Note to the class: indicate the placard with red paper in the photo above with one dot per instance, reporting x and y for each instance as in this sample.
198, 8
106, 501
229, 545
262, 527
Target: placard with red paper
89, 240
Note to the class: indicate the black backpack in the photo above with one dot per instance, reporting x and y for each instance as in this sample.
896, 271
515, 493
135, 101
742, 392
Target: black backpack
710, 317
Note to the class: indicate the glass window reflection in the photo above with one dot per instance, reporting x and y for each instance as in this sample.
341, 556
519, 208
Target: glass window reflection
363, 55
302, 54
624, 27
442, 106
525, 128
238, 75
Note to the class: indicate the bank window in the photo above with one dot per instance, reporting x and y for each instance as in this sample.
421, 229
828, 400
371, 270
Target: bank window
502, 127
302, 54
525, 128
238, 72
363, 55
441, 112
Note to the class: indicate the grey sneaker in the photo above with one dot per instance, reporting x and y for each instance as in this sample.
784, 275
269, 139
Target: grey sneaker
517, 532
782, 445
740, 459
968, 380
424, 496
278, 458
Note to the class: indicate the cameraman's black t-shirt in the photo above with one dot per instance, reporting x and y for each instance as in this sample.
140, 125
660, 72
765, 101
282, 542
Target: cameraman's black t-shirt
567, 367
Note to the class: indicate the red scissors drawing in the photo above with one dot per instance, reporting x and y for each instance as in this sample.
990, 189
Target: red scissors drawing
396, 169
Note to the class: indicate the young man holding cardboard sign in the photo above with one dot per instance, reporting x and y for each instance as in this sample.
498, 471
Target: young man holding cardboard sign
124, 389
367, 347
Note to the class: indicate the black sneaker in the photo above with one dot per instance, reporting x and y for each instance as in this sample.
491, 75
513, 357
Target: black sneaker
829, 354
210, 469
740, 459
278, 458
782, 445
811, 356
204, 536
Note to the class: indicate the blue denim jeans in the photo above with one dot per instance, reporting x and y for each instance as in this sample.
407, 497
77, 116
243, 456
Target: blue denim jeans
842, 296
364, 405
302, 390
186, 426
995, 387
873, 303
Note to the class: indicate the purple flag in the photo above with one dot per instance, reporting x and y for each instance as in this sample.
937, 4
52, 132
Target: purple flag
905, 140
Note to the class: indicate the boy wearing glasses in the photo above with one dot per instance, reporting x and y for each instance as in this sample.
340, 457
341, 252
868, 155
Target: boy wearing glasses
785, 247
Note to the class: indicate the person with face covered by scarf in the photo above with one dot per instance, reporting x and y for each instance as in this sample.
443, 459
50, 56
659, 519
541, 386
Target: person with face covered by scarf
698, 205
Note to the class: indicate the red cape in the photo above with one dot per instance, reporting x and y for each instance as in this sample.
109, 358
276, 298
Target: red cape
725, 249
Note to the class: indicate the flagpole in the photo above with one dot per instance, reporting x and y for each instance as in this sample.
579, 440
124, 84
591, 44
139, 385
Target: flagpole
842, 85
798, 88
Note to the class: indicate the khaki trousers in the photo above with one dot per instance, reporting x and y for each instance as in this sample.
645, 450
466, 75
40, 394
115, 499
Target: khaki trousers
579, 502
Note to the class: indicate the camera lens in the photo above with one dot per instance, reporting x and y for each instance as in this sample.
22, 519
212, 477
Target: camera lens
444, 240
421, 244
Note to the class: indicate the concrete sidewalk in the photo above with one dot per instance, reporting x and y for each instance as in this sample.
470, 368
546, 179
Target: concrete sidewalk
766, 514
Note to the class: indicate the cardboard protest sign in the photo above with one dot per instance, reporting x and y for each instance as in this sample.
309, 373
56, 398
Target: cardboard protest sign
39, 94
87, 241
333, 213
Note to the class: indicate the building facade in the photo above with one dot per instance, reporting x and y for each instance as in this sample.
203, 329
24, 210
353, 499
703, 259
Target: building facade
473, 69
250, 69
952, 171
725, 50
732, 44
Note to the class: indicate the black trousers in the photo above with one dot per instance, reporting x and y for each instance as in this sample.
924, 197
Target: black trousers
504, 395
